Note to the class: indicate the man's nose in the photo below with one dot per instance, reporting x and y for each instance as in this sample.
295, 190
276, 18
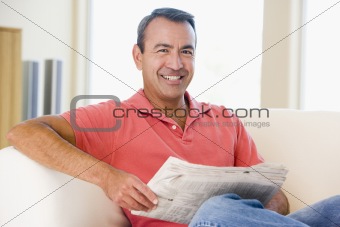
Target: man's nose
175, 61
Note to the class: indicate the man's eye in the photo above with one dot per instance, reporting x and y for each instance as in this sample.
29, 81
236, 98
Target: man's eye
163, 51
188, 52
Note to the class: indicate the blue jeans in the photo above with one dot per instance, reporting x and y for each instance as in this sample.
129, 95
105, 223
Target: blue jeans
230, 210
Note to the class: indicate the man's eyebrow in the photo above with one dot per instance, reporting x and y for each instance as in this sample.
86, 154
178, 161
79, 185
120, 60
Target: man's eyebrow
163, 45
189, 46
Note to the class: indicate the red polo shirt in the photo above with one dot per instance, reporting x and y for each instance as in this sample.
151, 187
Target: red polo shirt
137, 138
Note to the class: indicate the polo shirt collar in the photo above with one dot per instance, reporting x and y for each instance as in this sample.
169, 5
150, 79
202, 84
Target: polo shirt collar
143, 105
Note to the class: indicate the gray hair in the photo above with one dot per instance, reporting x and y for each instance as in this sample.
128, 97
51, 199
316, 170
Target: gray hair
171, 14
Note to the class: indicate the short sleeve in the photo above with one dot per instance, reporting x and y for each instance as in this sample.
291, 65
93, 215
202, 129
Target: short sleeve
94, 129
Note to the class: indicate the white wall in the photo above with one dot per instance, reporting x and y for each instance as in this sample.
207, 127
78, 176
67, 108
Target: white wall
48, 31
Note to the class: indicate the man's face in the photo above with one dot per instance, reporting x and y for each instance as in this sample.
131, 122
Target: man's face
167, 63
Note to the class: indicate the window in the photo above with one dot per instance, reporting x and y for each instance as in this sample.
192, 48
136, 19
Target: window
229, 35
321, 74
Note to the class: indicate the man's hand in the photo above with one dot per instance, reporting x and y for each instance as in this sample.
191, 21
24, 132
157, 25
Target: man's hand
279, 203
128, 191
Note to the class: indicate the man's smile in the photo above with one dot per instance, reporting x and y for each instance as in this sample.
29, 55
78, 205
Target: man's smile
172, 77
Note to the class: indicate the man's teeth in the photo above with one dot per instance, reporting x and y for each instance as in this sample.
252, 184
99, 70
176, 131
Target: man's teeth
171, 77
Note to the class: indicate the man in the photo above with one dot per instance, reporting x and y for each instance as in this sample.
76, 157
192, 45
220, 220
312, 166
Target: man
159, 121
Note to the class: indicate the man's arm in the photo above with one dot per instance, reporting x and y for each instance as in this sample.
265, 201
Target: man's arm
50, 141
279, 203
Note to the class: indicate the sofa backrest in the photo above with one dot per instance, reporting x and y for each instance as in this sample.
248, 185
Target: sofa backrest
308, 143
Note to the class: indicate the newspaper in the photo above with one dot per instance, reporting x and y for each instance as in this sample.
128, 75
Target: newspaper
182, 187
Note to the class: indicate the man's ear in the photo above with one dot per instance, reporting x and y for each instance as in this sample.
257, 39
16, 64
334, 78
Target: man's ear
137, 56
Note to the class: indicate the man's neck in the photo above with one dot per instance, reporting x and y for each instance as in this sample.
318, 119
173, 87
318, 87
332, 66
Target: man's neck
169, 104
171, 108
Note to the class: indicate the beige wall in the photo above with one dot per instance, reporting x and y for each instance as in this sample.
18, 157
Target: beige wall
49, 30
280, 85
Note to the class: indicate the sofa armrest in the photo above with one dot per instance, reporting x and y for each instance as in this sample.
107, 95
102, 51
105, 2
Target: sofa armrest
33, 195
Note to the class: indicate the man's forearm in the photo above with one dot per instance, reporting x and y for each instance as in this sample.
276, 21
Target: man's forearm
279, 203
50, 141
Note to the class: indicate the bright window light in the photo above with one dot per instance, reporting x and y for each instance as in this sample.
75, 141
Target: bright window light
321, 75
229, 35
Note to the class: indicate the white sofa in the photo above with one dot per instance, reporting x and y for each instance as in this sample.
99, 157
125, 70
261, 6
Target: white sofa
308, 143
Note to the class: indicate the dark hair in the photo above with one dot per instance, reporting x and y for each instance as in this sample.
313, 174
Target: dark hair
171, 14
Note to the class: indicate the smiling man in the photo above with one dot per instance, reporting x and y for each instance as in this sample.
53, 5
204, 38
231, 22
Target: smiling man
166, 55
123, 160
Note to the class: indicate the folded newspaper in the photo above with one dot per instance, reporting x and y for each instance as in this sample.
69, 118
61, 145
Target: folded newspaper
182, 187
